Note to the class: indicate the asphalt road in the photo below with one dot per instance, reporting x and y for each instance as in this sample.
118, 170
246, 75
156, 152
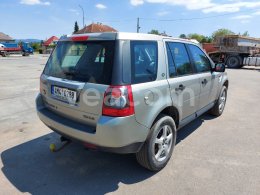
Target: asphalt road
212, 156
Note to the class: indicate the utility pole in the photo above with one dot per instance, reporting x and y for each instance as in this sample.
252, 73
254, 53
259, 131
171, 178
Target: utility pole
138, 26
83, 15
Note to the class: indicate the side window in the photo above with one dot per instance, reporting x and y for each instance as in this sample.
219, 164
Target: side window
180, 58
171, 65
144, 61
201, 61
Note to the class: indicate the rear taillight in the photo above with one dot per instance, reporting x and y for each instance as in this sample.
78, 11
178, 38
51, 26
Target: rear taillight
118, 101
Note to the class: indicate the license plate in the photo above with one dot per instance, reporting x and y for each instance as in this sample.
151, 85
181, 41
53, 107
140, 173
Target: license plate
64, 94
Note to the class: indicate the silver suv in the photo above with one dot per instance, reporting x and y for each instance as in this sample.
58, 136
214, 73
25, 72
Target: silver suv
128, 93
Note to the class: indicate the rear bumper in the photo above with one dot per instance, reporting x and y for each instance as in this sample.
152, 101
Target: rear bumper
112, 134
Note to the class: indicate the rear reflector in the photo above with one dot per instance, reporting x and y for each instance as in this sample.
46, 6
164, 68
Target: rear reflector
90, 146
79, 38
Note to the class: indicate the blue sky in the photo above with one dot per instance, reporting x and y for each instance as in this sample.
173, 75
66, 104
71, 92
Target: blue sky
43, 18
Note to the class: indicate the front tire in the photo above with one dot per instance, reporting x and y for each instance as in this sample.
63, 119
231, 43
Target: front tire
219, 106
158, 148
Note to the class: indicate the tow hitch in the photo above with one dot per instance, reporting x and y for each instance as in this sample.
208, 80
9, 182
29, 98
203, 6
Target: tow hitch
64, 142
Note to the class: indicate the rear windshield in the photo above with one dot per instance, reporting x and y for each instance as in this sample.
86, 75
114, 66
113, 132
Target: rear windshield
82, 61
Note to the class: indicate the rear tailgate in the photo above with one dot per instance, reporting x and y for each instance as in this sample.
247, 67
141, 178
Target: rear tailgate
77, 75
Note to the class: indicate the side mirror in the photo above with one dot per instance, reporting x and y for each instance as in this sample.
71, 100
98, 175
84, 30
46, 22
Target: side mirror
220, 68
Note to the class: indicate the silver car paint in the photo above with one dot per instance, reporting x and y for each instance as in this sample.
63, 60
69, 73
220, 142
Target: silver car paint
82, 111
150, 98
109, 131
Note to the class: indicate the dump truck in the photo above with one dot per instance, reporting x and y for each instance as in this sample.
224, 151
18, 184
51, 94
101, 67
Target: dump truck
14, 48
233, 50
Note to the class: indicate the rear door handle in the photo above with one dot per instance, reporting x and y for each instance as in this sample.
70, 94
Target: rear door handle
180, 88
204, 82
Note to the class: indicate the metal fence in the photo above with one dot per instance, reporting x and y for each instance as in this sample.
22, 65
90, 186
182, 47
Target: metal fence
252, 61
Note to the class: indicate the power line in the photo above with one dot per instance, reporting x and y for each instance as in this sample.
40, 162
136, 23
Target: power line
170, 20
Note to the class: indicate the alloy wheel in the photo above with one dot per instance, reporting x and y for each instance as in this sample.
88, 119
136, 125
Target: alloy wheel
163, 143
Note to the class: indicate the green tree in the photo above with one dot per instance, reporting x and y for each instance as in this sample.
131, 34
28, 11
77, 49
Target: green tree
76, 27
197, 36
210, 39
183, 36
246, 34
155, 32
206, 39
222, 32
36, 46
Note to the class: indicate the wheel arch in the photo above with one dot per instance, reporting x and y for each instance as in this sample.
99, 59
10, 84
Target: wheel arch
226, 84
171, 111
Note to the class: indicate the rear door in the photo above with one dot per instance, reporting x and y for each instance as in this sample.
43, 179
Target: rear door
208, 81
184, 84
149, 85
76, 77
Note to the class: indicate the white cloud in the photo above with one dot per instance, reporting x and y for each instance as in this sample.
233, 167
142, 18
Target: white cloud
241, 17
74, 11
222, 9
207, 6
210, 6
136, 2
231, 7
34, 2
257, 13
162, 13
101, 6
245, 21
246, 18
189, 4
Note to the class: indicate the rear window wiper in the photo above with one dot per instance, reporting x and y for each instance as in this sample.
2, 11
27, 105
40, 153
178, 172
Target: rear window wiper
69, 73
77, 74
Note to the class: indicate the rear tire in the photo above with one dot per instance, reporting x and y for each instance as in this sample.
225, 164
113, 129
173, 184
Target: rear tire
157, 150
219, 106
234, 62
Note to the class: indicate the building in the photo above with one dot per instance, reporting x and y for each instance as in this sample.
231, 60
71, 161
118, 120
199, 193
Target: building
49, 44
51, 41
98, 27
5, 38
